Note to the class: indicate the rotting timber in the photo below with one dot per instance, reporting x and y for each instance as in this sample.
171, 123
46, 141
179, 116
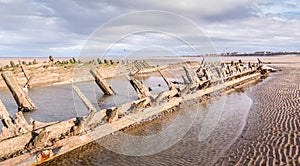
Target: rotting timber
39, 139
103, 85
23, 101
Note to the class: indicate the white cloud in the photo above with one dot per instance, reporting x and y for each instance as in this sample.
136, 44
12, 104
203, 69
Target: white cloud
46, 27
287, 10
263, 33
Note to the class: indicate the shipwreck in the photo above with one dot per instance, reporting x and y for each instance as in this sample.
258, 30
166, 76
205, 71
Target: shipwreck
36, 142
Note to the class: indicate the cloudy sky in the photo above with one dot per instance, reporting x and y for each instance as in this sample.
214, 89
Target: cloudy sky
38, 28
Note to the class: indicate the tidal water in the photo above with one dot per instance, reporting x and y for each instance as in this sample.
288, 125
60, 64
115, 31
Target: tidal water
60, 102
214, 126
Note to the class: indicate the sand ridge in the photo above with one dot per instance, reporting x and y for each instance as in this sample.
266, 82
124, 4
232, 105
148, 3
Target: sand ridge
272, 133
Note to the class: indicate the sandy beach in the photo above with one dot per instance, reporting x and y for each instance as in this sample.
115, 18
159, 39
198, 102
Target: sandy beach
271, 135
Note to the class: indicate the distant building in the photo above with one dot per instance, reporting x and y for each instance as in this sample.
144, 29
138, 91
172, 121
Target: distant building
263, 52
235, 53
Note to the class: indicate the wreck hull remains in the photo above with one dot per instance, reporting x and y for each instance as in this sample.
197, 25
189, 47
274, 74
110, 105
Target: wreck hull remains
63, 137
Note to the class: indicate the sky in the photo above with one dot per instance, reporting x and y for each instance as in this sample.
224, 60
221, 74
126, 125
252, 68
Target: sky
74, 28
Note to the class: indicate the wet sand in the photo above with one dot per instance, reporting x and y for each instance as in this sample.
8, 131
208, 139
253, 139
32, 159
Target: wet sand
272, 133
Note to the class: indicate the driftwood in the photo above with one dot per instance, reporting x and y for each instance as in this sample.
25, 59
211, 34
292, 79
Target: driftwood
23, 101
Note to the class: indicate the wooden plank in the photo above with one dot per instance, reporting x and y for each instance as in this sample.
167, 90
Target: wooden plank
170, 84
185, 81
86, 102
26, 74
101, 82
23, 101
3, 112
141, 90
191, 76
24, 70
12, 127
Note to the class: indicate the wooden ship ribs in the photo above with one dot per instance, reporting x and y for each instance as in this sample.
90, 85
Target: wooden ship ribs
25, 143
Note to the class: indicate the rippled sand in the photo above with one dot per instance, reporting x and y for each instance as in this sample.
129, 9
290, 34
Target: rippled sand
272, 133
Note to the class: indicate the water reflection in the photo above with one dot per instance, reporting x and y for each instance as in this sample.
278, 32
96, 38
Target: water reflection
190, 150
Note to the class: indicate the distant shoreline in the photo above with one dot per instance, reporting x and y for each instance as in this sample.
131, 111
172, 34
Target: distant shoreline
221, 54
263, 54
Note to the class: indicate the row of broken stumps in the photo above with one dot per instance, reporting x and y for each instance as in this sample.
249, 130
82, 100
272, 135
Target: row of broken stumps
205, 76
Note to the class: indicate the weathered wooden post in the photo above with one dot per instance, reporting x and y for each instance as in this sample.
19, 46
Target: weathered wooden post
101, 82
4, 117
188, 75
141, 90
88, 104
23, 101
26, 74
185, 81
259, 61
191, 76
170, 84
200, 66
112, 114
12, 127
